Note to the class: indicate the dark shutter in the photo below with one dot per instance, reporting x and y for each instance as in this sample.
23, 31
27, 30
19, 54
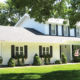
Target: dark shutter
75, 31
25, 51
68, 31
56, 30
62, 30
49, 29
72, 49
51, 51
40, 51
12, 51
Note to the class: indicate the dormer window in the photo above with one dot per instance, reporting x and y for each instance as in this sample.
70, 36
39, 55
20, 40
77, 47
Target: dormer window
72, 32
65, 31
53, 29
78, 32
60, 30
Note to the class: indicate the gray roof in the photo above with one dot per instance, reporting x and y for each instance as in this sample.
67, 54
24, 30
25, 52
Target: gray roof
19, 34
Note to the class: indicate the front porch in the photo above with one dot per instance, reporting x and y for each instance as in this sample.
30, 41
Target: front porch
67, 51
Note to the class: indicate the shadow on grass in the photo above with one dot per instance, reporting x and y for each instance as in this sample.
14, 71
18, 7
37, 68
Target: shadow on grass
56, 75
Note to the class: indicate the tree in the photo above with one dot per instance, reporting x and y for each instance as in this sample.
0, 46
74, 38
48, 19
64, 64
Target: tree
3, 14
41, 10
9, 14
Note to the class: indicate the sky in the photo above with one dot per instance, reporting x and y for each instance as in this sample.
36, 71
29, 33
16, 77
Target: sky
2, 0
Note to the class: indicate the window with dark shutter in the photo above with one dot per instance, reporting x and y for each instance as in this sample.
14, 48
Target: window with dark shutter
25, 51
51, 51
12, 51
40, 51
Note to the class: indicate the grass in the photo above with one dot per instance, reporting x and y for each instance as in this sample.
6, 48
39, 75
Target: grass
55, 72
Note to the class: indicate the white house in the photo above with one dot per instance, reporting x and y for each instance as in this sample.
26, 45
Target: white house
29, 37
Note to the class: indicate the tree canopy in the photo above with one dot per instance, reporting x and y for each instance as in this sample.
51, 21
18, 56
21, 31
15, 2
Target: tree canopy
9, 14
41, 10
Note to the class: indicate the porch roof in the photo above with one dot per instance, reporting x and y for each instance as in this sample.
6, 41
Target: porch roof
18, 34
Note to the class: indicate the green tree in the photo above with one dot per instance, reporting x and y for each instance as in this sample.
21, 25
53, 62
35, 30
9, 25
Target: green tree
41, 10
3, 14
9, 14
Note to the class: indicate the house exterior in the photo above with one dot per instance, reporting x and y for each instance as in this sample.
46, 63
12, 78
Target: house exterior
29, 37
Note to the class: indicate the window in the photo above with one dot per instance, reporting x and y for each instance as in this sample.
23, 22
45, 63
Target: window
72, 32
78, 32
45, 51
65, 31
21, 50
16, 51
60, 30
53, 29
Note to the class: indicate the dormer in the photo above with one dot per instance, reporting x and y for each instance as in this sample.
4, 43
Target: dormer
52, 27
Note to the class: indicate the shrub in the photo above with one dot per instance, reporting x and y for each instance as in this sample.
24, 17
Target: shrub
58, 62
37, 60
1, 60
46, 60
64, 59
11, 62
76, 58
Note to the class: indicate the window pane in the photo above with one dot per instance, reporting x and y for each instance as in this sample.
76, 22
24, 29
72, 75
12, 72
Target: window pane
17, 53
21, 53
53, 30
17, 48
43, 48
65, 31
21, 48
60, 30
78, 32
72, 32
47, 49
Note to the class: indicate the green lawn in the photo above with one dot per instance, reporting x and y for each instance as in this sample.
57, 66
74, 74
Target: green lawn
55, 72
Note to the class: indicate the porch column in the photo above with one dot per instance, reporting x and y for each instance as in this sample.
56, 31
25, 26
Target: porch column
71, 52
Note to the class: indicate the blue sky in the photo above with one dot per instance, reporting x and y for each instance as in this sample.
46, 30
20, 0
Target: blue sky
2, 0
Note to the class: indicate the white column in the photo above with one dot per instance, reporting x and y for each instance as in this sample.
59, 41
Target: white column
71, 52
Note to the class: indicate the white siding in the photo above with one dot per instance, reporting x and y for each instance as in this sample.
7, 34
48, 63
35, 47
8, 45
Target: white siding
31, 23
33, 48
56, 53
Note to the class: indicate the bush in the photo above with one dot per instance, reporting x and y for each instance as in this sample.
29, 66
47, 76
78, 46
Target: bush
76, 58
37, 60
64, 59
1, 60
46, 60
11, 62
58, 62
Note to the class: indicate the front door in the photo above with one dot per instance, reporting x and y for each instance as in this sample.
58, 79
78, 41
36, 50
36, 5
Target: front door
65, 49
